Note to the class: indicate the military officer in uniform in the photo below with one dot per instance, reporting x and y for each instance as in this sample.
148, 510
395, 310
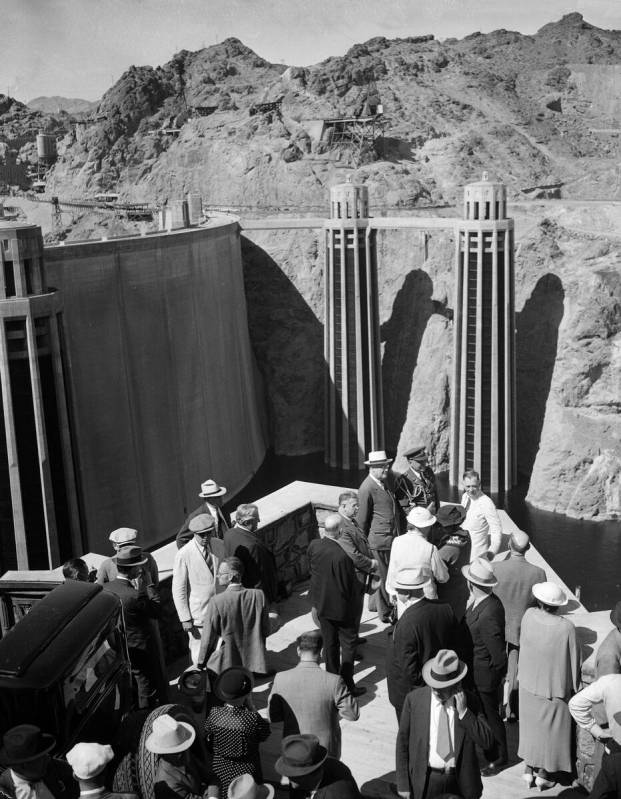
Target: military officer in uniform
416, 486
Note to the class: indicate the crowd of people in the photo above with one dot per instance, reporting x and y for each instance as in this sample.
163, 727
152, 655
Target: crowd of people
473, 637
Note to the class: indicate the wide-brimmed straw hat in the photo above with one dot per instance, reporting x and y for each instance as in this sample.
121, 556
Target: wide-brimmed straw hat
411, 579
170, 736
480, 572
550, 594
89, 759
444, 670
211, 489
378, 458
23, 743
300, 754
420, 517
244, 787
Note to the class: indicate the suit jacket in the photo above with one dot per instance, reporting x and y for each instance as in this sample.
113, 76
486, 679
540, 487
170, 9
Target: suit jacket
58, 778
258, 559
486, 624
516, 578
308, 699
455, 552
337, 782
185, 534
107, 569
194, 581
138, 609
333, 581
608, 655
377, 514
355, 543
238, 617
413, 745
184, 781
420, 633
412, 490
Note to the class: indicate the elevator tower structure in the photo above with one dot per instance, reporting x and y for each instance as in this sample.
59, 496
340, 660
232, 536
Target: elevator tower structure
37, 484
483, 401
354, 415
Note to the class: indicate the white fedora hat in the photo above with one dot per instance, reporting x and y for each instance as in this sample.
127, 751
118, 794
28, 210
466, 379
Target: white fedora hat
170, 736
378, 458
211, 489
444, 670
480, 572
550, 594
420, 517
244, 787
410, 579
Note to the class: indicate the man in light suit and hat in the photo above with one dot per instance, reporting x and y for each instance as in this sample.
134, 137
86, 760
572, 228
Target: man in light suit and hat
194, 578
441, 726
30, 770
417, 486
211, 493
378, 520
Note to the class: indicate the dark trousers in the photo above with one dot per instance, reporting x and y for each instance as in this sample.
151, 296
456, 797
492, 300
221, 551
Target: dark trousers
383, 604
491, 707
359, 605
607, 784
145, 674
439, 784
339, 644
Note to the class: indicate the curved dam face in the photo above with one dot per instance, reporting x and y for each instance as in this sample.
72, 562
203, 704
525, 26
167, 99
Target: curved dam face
162, 381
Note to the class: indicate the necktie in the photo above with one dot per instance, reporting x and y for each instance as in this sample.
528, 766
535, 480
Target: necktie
444, 747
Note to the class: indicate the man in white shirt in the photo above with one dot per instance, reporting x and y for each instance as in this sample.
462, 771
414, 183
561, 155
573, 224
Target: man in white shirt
412, 550
482, 520
440, 727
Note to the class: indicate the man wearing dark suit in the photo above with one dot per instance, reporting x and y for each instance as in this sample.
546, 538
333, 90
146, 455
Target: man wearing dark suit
211, 494
454, 549
30, 770
355, 543
139, 607
244, 542
440, 727
311, 772
425, 627
333, 585
485, 617
378, 520
516, 578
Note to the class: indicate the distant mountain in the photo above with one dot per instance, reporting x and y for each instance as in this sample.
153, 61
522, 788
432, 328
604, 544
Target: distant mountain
52, 105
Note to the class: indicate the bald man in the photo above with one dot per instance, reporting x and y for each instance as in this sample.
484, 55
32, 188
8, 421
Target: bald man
333, 589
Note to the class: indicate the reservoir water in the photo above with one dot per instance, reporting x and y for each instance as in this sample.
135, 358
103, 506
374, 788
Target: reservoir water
585, 554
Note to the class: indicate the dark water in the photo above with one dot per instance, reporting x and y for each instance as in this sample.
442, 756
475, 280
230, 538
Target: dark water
585, 554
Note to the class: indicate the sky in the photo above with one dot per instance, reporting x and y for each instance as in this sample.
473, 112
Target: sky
79, 48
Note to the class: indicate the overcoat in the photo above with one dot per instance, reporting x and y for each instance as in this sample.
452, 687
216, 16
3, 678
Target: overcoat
333, 581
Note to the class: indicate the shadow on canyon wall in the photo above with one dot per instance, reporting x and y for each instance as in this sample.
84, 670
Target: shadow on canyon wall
402, 335
287, 339
537, 327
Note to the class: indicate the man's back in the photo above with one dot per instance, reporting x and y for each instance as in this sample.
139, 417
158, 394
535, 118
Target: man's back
258, 560
516, 578
138, 609
423, 629
332, 580
308, 699
486, 623
337, 782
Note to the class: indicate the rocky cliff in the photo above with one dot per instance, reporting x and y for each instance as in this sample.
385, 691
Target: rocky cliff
540, 112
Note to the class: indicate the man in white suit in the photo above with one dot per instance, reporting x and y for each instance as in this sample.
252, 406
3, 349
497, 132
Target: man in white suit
308, 699
194, 578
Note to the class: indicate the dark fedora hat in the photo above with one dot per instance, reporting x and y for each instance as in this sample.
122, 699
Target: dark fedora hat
299, 755
24, 743
449, 515
130, 556
418, 451
233, 683
615, 615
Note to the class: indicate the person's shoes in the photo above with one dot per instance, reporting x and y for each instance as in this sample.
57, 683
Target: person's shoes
386, 618
543, 784
360, 641
358, 656
493, 768
529, 779
358, 690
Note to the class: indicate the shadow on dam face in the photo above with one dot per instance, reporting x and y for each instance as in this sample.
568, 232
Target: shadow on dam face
537, 326
287, 339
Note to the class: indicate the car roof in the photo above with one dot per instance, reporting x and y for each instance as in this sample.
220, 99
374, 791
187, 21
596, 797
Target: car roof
47, 641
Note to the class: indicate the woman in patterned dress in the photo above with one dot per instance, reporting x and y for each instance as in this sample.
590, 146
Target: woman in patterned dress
234, 730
